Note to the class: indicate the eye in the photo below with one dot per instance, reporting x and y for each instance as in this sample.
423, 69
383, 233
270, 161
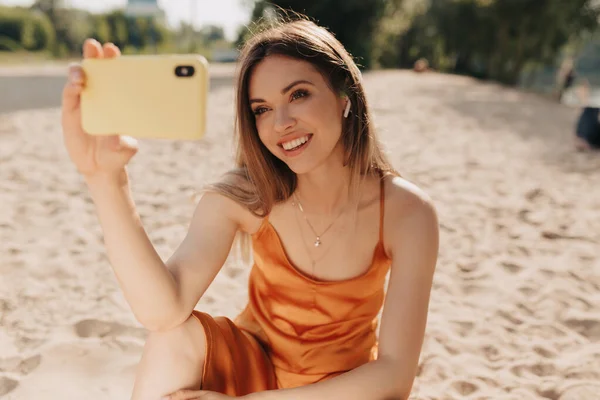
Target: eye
259, 110
299, 94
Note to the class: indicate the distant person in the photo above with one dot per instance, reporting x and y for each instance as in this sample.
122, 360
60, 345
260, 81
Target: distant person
421, 65
566, 77
587, 130
328, 218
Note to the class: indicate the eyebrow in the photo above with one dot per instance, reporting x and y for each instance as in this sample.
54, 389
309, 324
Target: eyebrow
285, 89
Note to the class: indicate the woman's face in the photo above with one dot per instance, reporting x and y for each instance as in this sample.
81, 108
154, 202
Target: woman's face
298, 116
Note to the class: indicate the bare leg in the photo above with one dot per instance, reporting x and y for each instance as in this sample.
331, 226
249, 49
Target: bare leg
172, 360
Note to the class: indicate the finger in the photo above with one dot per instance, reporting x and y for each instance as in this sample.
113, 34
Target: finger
70, 119
71, 96
118, 143
186, 395
92, 49
127, 143
111, 50
75, 74
73, 88
116, 149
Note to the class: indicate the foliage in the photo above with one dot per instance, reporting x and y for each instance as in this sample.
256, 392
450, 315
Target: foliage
20, 29
49, 26
495, 39
352, 21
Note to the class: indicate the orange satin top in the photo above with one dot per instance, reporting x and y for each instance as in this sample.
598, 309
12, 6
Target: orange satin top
310, 329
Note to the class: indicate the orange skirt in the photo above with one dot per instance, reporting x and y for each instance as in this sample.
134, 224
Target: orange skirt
235, 363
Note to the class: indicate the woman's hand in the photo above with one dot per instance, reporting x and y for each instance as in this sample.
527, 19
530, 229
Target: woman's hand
92, 155
196, 395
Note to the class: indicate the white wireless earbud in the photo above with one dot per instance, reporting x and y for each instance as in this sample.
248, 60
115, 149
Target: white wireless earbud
347, 110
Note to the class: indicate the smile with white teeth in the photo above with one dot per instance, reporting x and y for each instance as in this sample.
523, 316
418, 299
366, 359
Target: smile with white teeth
292, 144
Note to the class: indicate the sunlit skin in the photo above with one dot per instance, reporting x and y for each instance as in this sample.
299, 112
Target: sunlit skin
285, 110
305, 105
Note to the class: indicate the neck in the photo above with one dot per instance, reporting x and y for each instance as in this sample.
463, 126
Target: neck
325, 189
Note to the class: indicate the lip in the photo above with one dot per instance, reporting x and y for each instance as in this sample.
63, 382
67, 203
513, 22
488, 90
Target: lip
297, 152
290, 137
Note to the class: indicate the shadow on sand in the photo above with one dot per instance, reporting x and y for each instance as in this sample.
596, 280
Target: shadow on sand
549, 126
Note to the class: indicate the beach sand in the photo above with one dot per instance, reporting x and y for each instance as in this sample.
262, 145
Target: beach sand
514, 308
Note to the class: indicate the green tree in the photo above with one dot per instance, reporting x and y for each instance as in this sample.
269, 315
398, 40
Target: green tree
352, 21
496, 39
102, 29
12, 23
22, 29
53, 10
212, 33
38, 33
118, 28
534, 31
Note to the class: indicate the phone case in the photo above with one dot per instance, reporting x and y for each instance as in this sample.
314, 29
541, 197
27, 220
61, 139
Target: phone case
146, 96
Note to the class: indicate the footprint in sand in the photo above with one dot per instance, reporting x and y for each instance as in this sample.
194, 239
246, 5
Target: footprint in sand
540, 369
81, 360
511, 267
16, 366
588, 327
28, 365
101, 329
530, 217
545, 351
7, 385
582, 391
527, 291
465, 388
534, 194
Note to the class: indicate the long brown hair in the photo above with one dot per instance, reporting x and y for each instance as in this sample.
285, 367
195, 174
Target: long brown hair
261, 180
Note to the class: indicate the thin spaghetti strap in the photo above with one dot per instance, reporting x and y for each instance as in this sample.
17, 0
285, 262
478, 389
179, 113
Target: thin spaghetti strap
381, 207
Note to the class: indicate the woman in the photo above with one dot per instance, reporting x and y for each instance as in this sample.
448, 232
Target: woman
327, 218
565, 77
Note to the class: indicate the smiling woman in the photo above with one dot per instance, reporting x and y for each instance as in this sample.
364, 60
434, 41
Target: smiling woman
327, 217
313, 173
290, 143
298, 70
304, 112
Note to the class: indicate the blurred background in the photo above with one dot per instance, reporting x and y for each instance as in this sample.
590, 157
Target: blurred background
516, 42
476, 101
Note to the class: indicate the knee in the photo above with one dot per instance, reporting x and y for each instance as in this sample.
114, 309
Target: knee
186, 339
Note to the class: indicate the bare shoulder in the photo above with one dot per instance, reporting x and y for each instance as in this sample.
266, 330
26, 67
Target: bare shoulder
217, 204
410, 211
404, 198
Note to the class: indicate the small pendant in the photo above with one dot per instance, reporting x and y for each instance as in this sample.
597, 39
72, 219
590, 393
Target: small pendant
318, 242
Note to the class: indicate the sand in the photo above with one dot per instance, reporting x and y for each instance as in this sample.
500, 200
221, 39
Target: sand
514, 309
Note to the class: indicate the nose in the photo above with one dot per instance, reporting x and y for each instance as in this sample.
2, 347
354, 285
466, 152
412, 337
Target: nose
283, 120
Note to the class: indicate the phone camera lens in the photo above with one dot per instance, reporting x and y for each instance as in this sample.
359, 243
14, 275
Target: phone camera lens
184, 71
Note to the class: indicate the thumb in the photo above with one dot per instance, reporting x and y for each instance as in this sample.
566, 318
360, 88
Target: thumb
73, 87
116, 149
118, 143
126, 143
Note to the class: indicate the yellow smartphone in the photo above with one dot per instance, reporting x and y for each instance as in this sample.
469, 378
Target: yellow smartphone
146, 96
